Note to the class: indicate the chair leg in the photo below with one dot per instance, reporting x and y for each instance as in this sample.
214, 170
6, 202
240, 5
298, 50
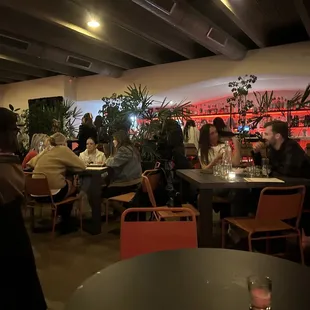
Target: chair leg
301, 249
250, 242
54, 221
223, 233
81, 215
107, 211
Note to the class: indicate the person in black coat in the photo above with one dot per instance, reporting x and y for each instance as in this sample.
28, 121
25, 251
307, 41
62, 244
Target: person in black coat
21, 287
86, 130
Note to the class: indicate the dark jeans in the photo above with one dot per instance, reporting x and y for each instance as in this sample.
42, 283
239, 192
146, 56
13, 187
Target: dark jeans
243, 201
21, 287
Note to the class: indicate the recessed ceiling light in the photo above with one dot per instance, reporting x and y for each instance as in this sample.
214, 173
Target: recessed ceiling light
93, 24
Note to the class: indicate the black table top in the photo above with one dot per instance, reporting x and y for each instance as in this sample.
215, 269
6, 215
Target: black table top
209, 181
210, 279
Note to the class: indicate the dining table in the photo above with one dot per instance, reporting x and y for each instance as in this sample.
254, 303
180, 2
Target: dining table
206, 182
189, 279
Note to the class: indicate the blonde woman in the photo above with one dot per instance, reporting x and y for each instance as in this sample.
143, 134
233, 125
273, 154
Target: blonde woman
55, 162
36, 141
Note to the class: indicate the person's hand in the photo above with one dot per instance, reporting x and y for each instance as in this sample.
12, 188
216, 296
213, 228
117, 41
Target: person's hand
217, 159
258, 147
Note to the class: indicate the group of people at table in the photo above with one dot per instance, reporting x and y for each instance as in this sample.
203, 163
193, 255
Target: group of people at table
286, 157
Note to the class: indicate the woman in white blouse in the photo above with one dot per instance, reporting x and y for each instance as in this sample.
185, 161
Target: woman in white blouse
91, 155
211, 150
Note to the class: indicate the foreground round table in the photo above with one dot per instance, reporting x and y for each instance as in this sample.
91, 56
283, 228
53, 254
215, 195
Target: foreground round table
208, 279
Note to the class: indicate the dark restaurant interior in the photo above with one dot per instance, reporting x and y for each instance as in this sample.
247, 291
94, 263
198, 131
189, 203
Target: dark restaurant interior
155, 154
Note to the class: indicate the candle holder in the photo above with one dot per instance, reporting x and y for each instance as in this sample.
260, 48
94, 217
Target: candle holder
260, 289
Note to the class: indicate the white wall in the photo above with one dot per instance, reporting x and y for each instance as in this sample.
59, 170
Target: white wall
19, 93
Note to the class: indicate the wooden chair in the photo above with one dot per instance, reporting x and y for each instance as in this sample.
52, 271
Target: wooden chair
125, 198
139, 238
39, 187
275, 206
150, 182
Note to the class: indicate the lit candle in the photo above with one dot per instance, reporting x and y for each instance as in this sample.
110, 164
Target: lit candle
231, 175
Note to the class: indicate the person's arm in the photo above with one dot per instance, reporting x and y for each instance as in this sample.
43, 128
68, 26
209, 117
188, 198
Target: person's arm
103, 158
28, 157
122, 156
215, 161
82, 157
256, 153
236, 158
70, 160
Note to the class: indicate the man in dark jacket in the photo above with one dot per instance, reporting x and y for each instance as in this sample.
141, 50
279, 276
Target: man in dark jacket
21, 288
286, 157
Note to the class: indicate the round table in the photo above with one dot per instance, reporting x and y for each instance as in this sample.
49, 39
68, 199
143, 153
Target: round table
203, 279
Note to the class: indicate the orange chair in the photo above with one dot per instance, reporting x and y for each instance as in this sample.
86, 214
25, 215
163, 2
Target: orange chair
150, 181
276, 205
139, 238
40, 187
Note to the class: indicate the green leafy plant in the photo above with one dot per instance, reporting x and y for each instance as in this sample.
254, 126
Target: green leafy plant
48, 116
135, 110
240, 90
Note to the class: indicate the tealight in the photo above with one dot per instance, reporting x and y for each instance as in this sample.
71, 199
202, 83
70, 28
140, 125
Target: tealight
231, 175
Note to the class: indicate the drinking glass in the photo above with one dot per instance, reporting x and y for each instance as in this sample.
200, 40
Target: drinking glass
260, 289
265, 167
217, 170
250, 171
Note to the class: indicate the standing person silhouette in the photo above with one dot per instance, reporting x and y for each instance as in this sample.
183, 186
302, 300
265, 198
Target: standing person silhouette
21, 288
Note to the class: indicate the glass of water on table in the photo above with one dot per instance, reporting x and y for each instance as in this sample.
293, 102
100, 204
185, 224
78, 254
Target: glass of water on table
260, 289
265, 167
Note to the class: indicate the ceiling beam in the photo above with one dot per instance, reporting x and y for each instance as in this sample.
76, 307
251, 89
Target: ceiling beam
303, 9
70, 16
23, 69
62, 57
144, 24
14, 76
198, 27
61, 37
32, 61
237, 13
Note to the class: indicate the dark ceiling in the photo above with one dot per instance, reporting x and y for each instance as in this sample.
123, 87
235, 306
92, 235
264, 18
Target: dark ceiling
41, 38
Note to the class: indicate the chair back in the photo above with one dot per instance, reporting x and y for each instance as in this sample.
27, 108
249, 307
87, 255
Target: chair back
37, 184
281, 203
150, 182
139, 238
190, 150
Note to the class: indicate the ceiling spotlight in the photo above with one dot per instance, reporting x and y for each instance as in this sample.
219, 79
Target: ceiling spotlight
93, 24
171, 102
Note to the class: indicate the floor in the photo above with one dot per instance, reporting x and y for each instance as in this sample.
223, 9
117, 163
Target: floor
63, 264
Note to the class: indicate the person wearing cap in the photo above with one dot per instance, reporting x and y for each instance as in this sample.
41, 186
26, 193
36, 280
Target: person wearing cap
55, 161
21, 287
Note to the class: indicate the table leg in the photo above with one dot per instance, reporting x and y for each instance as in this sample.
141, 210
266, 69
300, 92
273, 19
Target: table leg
205, 220
93, 190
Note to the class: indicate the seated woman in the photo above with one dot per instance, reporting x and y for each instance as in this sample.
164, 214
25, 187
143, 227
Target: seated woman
211, 150
92, 155
35, 146
55, 162
126, 165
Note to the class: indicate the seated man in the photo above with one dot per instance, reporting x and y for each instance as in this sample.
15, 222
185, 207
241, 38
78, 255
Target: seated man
286, 157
